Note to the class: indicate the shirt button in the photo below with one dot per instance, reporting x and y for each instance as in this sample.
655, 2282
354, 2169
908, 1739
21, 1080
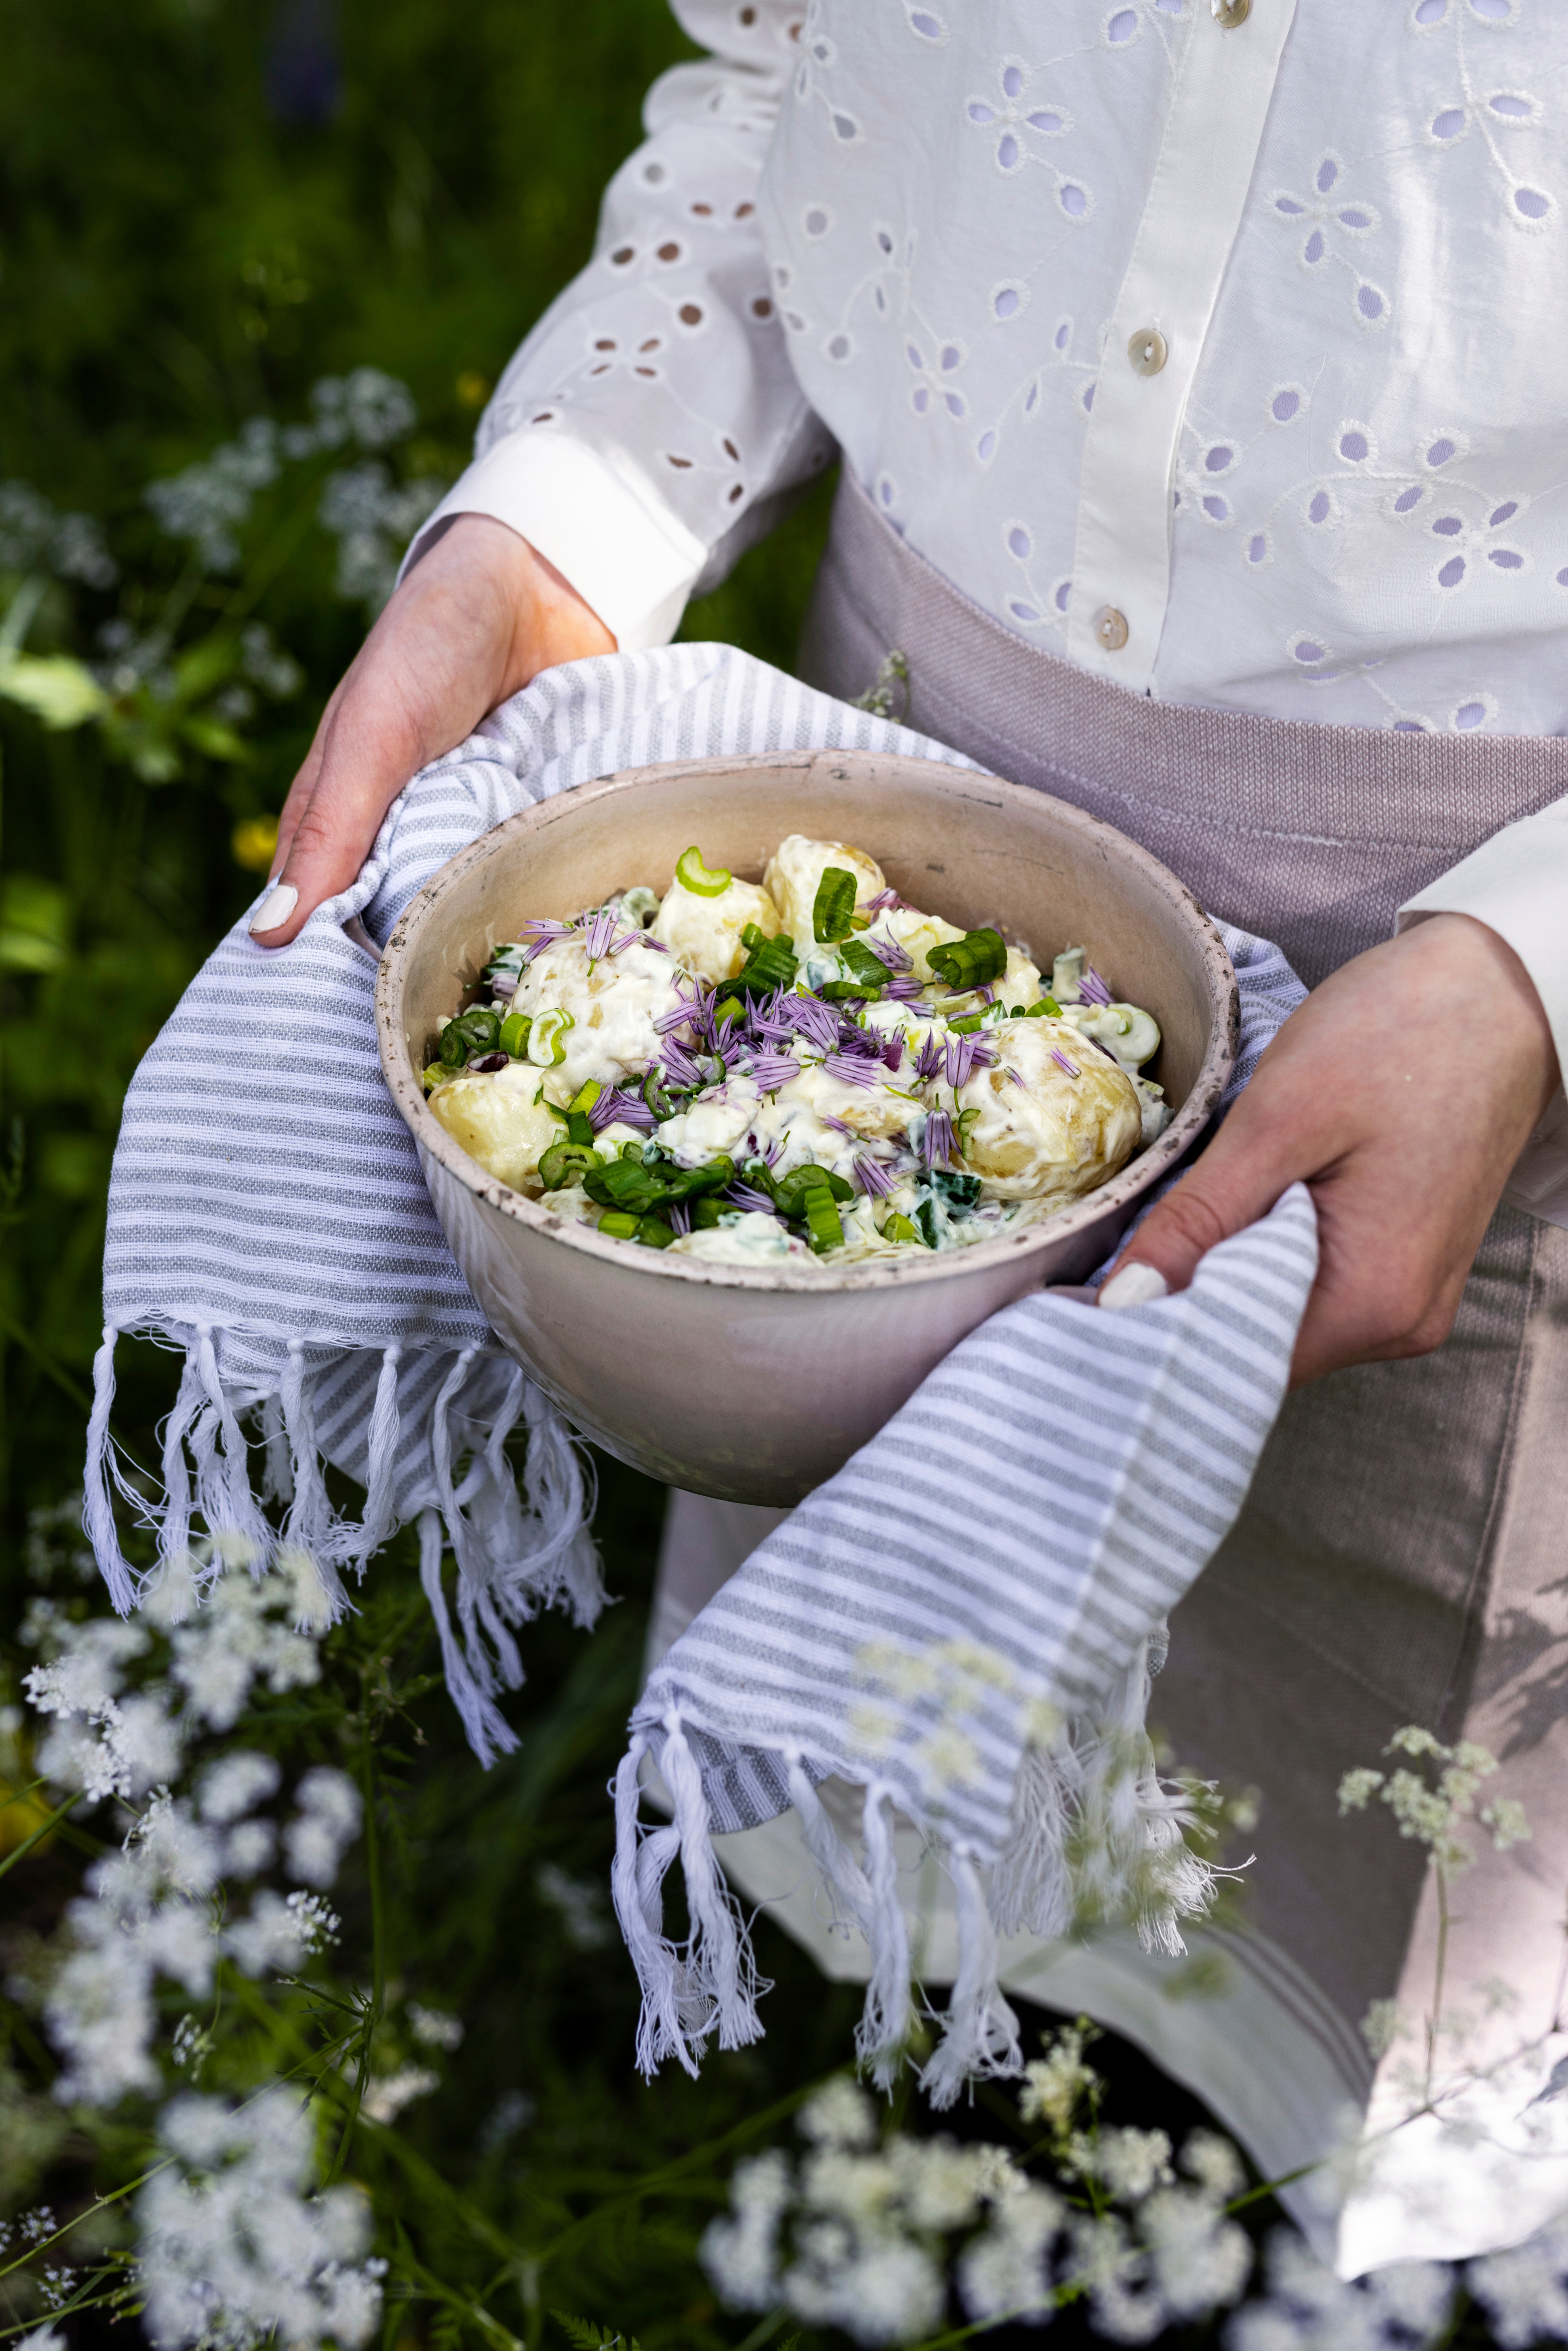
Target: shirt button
1228, 13
1148, 351
1111, 628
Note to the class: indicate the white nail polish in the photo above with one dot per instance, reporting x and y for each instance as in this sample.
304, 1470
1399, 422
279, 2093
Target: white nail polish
1135, 1285
275, 907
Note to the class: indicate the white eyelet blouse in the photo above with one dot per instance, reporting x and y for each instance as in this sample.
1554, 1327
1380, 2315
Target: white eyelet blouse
1220, 346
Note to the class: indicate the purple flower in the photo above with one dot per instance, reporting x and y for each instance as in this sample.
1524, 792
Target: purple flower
889, 952
600, 930
537, 936
679, 1066
505, 983
616, 1107
893, 1051
1063, 1064
928, 1061
850, 1069
688, 1008
937, 1149
1091, 987
903, 990
680, 1218
745, 1196
773, 1069
875, 1178
963, 1055
816, 1021
884, 901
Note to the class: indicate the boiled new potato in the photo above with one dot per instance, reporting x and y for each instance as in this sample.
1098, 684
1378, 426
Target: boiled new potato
611, 1007
1043, 1132
704, 934
798, 865
500, 1120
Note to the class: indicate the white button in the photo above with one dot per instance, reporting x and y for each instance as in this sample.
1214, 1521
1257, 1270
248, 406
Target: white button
1228, 13
1111, 628
1148, 351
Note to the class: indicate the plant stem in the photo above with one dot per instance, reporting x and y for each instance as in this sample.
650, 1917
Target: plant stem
41, 1830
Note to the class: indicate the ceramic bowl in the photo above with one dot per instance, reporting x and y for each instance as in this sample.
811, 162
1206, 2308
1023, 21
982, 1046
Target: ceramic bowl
755, 1384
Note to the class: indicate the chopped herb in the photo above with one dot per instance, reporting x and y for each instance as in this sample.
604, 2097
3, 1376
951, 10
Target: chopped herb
833, 908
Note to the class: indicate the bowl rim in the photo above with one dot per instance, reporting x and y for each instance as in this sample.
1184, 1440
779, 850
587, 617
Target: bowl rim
1139, 1175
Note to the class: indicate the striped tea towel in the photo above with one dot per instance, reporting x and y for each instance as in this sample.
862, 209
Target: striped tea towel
268, 1221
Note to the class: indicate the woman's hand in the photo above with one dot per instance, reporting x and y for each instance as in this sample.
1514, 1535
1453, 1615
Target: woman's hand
476, 620
1401, 1094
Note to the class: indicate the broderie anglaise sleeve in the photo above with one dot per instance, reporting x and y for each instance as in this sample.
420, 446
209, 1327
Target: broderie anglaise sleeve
647, 429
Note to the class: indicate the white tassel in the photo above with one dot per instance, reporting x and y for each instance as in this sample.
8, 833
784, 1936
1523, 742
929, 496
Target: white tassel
643, 1857
884, 2028
560, 1495
1031, 1884
278, 1476
311, 1525
97, 1502
488, 1731
846, 1881
227, 1504
173, 1520
980, 2039
718, 1950
381, 1466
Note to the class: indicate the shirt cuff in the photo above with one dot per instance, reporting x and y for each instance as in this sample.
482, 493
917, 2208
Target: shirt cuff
595, 518
1517, 883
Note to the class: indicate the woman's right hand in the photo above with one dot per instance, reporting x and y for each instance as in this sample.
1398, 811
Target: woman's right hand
476, 620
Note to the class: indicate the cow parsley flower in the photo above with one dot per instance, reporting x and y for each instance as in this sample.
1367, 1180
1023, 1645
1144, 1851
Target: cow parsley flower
1524, 2292
327, 1821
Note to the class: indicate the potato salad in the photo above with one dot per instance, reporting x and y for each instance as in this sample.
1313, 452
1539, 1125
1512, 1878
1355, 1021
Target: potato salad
806, 1068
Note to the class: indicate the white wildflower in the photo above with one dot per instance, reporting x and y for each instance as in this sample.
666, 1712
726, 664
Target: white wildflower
1215, 2165
386, 2096
740, 2251
249, 1848
1524, 2292
1054, 2085
43, 2338
373, 518
838, 2114
1004, 2271
328, 1820
244, 1632
1114, 2271
232, 2248
581, 1907
1199, 2260
1310, 2309
888, 2291
278, 1936
433, 2027
100, 2018
186, 1856
236, 1784
940, 2184
208, 501
1127, 2162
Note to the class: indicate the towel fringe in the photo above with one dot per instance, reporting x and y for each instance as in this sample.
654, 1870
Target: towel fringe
883, 2034
100, 1471
849, 1889
980, 2037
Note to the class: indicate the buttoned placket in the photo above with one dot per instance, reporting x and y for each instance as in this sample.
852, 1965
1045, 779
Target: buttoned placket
1221, 89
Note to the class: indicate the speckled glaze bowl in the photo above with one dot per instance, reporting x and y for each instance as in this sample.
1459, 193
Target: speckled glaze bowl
755, 1384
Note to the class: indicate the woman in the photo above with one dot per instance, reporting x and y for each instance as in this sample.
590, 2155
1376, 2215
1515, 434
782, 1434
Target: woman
1197, 369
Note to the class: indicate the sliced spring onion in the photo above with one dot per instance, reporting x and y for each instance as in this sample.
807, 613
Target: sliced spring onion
822, 1221
708, 1213
618, 1225
436, 1073
770, 963
514, 1037
963, 1127
452, 1046
833, 910
972, 961
861, 963
1047, 1007
965, 1027
654, 1232
899, 1229
566, 1163
547, 1038
578, 1125
479, 1028
694, 876
731, 1009
793, 1192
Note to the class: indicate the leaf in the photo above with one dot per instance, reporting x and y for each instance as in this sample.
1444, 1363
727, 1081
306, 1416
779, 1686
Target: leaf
34, 925
584, 2335
55, 689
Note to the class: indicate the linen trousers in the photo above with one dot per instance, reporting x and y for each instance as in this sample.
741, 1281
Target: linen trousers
1402, 1558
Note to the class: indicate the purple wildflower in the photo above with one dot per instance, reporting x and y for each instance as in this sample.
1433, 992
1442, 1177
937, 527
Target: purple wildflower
903, 990
866, 1042
680, 1218
928, 1061
937, 1149
889, 952
883, 902
537, 935
963, 1055
505, 983
875, 1178
1063, 1064
816, 1021
850, 1069
679, 1066
599, 932
745, 1196
616, 1107
773, 1069
688, 1008
893, 1051
1091, 987
838, 1127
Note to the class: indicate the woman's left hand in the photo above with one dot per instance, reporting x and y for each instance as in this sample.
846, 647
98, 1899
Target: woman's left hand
1401, 1094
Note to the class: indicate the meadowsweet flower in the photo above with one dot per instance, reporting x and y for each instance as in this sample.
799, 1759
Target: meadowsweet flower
236, 1784
43, 2338
886, 2292
1524, 2292
1054, 2085
1004, 2271
1199, 2260
279, 1935
1128, 2163
740, 2249
434, 2028
389, 2094
330, 1810
1213, 2163
838, 2114
233, 2248
1433, 1810
1309, 2309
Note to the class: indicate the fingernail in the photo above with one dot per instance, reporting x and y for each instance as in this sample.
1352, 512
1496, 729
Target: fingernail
1135, 1285
275, 907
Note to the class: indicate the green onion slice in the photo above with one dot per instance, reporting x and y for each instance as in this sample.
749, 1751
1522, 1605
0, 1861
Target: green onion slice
694, 876
452, 1046
972, 961
769, 964
547, 1038
1047, 1005
860, 961
899, 1229
566, 1163
618, 1225
833, 910
514, 1036
654, 1232
822, 1221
